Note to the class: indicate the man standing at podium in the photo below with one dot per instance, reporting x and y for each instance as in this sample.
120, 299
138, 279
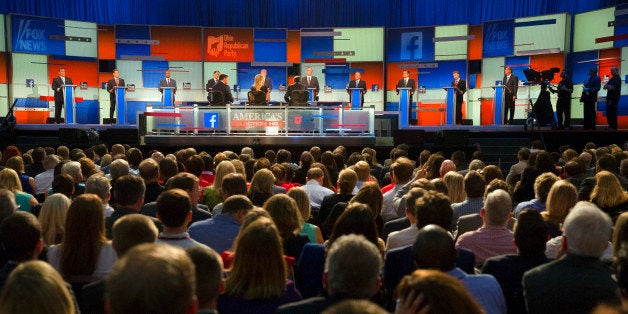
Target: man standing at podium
168, 82
114, 82
210, 85
57, 87
511, 84
267, 82
460, 87
406, 81
357, 83
311, 82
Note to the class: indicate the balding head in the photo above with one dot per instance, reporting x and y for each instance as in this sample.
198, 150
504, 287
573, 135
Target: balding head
434, 249
446, 166
497, 208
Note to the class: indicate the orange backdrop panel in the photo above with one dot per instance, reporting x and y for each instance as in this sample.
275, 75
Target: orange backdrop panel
177, 43
228, 44
545, 62
3, 68
475, 45
395, 73
78, 71
294, 47
373, 73
106, 42
605, 65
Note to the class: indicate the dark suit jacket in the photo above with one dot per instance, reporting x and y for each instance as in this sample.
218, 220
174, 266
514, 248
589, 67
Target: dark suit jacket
313, 84
92, 298
395, 225
314, 305
572, 284
291, 88
121, 212
462, 86
410, 84
163, 83
210, 84
58, 89
268, 83
111, 88
199, 213
362, 85
328, 203
226, 92
511, 85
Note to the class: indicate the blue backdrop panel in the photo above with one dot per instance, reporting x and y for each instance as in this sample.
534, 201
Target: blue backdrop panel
519, 64
310, 45
246, 76
87, 112
442, 77
580, 71
622, 28
153, 72
132, 32
269, 45
498, 38
410, 44
31, 34
337, 76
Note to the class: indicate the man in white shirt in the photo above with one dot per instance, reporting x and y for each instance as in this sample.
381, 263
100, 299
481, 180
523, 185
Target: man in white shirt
401, 173
314, 187
43, 181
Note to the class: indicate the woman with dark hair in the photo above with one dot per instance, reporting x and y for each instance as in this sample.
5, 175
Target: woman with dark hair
261, 187
85, 254
357, 218
9, 152
257, 281
327, 159
304, 165
327, 182
543, 162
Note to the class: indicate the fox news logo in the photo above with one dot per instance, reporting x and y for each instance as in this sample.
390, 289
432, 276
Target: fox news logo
411, 46
30, 39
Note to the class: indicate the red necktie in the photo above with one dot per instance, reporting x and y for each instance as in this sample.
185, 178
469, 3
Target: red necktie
308, 81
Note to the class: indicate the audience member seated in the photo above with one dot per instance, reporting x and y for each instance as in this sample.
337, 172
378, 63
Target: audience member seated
345, 276
43, 181
609, 195
64, 184
538, 163
346, 183
561, 199
474, 186
314, 187
472, 222
432, 291
406, 237
9, 180
232, 184
401, 173
261, 187
434, 249
129, 193
542, 186
26, 182
173, 210
605, 162
582, 279
262, 286
399, 202
514, 175
188, 183
139, 284
149, 171
455, 187
98, 184
211, 194
20, 235
220, 231
493, 238
313, 232
52, 218
128, 231
285, 214
530, 236
574, 172
73, 168
35, 287
209, 281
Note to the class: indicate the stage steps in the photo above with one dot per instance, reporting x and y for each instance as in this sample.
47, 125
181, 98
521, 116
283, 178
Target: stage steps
500, 151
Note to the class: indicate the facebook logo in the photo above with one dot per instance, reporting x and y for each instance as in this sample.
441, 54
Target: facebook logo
411, 46
211, 120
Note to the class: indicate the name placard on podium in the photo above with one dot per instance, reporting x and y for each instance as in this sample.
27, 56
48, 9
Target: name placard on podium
498, 104
167, 99
405, 106
121, 105
69, 103
356, 97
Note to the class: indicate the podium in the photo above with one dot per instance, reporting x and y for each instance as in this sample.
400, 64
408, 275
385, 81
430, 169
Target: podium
356, 93
405, 106
498, 104
167, 99
312, 92
69, 104
451, 105
121, 105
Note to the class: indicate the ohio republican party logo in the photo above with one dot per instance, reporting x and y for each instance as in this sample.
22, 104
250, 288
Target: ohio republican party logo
225, 45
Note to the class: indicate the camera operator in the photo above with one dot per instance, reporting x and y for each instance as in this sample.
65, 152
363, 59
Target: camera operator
563, 105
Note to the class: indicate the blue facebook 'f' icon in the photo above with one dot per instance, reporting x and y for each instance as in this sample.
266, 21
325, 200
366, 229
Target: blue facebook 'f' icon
411, 46
210, 120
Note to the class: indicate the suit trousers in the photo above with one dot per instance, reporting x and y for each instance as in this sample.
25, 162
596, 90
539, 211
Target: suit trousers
509, 108
611, 112
58, 109
563, 112
589, 115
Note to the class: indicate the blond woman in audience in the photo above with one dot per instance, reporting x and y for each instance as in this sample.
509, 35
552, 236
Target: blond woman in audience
303, 203
562, 197
212, 195
9, 180
609, 195
455, 187
52, 218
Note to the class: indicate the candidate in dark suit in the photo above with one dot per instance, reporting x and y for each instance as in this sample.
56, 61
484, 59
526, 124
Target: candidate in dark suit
114, 82
589, 98
268, 83
311, 81
511, 84
612, 97
357, 83
293, 87
460, 87
223, 87
57, 87
407, 81
563, 104
210, 85
168, 82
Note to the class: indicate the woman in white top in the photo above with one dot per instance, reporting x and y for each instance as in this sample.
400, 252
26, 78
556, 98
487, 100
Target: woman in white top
85, 254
